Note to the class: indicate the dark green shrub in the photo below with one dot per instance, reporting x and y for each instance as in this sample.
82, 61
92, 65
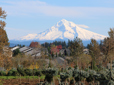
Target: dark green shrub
36, 72
12, 72
52, 54
110, 82
90, 78
21, 71
64, 76
49, 73
49, 70
28, 72
16, 52
79, 75
104, 74
97, 77
69, 68
71, 81
106, 82
49, 77
2, 73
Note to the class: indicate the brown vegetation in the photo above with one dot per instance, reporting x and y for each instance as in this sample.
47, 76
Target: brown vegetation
34, 45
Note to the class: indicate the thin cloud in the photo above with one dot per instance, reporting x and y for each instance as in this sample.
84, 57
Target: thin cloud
15, 29
24, 8
18, 30
83, 26
14, 33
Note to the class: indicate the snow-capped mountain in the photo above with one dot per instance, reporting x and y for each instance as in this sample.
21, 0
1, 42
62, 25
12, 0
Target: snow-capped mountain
64, 30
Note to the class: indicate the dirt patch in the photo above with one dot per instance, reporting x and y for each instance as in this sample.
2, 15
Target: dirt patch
23, 81
20, 81
29, 82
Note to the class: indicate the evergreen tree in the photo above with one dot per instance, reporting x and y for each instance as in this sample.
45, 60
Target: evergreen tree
94, 51
49, 51
111, 41
76, 47
16, 52
111, 33
65, 52
107, 46
52, 54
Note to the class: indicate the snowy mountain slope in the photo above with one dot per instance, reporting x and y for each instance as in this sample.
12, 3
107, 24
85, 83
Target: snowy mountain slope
62, 30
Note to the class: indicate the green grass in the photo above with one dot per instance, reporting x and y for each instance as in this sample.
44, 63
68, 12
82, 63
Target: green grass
22, 77
26, 77
1, 84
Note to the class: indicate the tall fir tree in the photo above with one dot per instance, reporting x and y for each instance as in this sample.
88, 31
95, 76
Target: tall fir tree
76, 47
108, 46
94, 51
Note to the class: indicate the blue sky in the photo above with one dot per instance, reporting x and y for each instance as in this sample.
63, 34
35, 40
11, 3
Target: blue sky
34, 16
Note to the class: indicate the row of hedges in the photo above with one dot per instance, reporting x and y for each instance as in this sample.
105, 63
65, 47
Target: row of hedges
77, 74
21, 71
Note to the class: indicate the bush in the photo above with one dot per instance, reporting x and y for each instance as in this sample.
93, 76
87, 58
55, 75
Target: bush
79, 75
71, 81
36, 72
49, 70
12, 72
16, 52
21, 71
90, 78
49, 77
49, 74
28, 72
2, 73
110, 82
69, 68
64, 76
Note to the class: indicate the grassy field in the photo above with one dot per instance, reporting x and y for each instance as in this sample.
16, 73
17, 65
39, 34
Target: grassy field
26, 77
23, 80
15, 80
22, 77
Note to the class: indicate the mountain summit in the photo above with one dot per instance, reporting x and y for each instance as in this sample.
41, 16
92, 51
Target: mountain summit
64, 30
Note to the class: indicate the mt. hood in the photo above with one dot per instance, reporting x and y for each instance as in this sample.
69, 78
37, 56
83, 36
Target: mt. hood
64, 30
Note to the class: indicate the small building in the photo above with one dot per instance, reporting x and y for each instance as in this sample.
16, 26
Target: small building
25, 49
14, 48
34, 52
36, 55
